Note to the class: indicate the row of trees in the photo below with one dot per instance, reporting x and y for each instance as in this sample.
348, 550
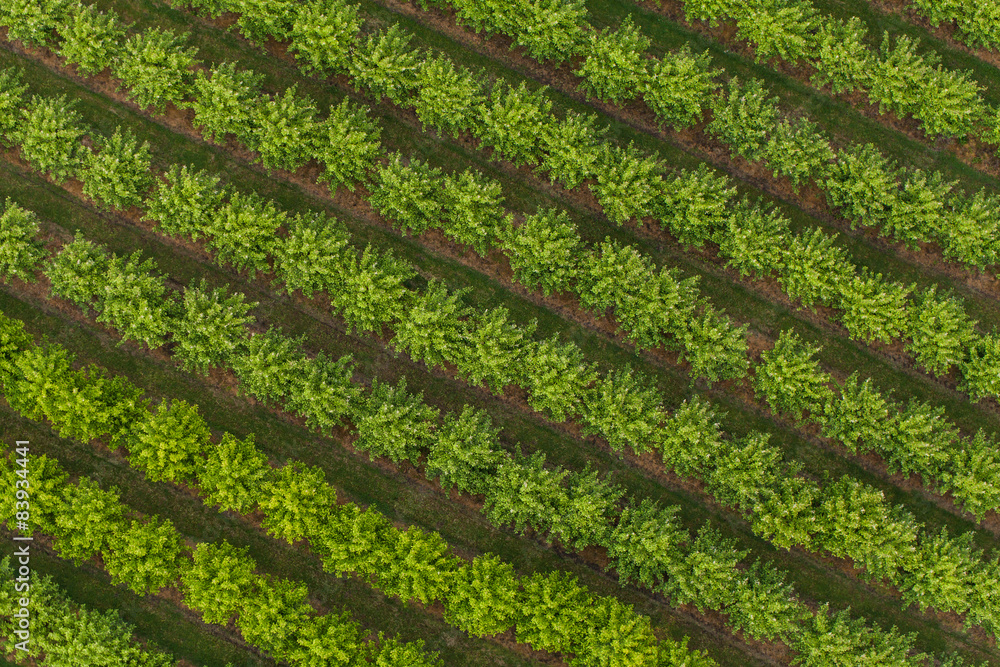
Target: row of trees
66, 633
215, 579
559, 504
173, 443
978, 23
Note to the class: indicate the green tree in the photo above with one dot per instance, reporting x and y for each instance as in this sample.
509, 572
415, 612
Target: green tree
843, 58
550, 29
321, 390
270, 616
786, 515
409, 194
514, 120
798, 150
296, 500
233, 474
981, 370
940, 332
556, 377
395, 423
243, 232
419, 567
838, 639
789, 377
974, 467
543, 250
284, 130
616, 636
647, 539
483, 597
616, 67
225, 101
210, 326
11, 101
219, 580
743, 117
261, 19
715, 348
322, 36
754, 239
570, 148
49, 136
815, 268
77, 272
691, 438
743, 471
119, 175
551, 611
347, 145
32, 22
88, 521
464, 452
473, 211
330, 640
495, 350
433, 330
874, 309
146, 557
171, 443
765, 606
134, 300
186, 202
386, 65
526, 494
446, 97
156, 68
91, 38
919, 440
307, 259
858, 417
267, 363
20, 249
624, 408
693, 204
863, 184
585, 518
679, 86
780, 30
627, 182
395, 653
373, 289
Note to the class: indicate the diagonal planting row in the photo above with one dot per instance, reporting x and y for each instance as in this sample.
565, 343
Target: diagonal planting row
977, 23
694, 206
545, 511
64, 632
789, 381
916, 445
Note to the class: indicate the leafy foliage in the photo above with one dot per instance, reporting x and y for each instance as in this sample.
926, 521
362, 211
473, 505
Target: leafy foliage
49, 136
119, 175
210, 326
169, 444
156, 68
145, 557
20, 250
91, 39
284, 129
347, 144
323, 34
616, 66
225, 102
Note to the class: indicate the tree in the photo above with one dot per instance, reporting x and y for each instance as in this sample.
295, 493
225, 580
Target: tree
156, 68
33, 22
789, 378
570, 148
233, 474
782, 30
88, 520
225, 101
974, 467
858, 417
146, 557
49, 136
170, 444
765, 606
464, 453
709, 575
409, 194
307, 259
743, 118
526, 494
386, 65
920, 440
586, 516
786, 516
210, 327
495, 350
543, 250
284, 130
395, 653
830, 639
616, 636
556, 377
917, 211
321, 390
219, 580
20, 249
186, 202
552, 611
419, 566
691, 438
815, 268
119, 175
322, 36
513, 121
11, 100
715, 348
433, 330
296, 500
979, 371
798, 150
744, 470
77, 272
616, 65
679, 86
446, 97
330, 640
693, 204
627, 182
91, 39
270, 616
243, 232
347, 145
549, 29
134, 300
874, 309
863, 184
754, 240
647, 539
395, 423
472, 210
483, 597
939, 331
372, 291
843, 58
624, 408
